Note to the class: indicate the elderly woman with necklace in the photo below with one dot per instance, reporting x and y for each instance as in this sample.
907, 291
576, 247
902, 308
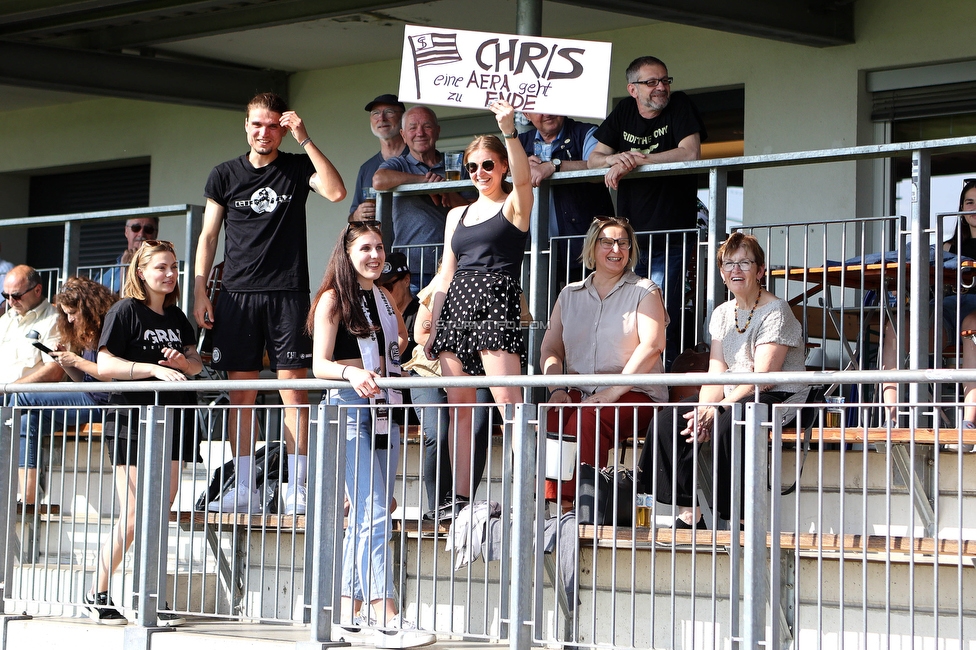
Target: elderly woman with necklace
753, 332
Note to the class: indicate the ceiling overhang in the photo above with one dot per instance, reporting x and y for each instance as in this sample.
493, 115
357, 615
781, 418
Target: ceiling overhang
113, 47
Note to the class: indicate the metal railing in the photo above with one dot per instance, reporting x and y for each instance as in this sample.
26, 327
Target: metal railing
193, 222
883, 504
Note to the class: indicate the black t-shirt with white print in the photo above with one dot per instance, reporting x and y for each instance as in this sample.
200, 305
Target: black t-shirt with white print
266, 245
134, 332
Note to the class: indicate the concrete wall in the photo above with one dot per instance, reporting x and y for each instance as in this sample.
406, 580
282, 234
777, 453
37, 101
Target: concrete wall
797, 98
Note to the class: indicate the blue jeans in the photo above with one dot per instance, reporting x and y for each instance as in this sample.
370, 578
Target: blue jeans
79, 409
367, 565
966, 305
435, 420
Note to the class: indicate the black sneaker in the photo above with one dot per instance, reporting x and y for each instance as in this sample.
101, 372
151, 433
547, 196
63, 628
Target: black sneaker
167, 619
102, 610
450, 510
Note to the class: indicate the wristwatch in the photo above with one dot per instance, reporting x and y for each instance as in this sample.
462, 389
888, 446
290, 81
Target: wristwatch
510, 136
556, 162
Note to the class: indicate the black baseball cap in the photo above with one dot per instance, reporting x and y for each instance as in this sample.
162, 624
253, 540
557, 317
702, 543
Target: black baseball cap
396, 263
392, 100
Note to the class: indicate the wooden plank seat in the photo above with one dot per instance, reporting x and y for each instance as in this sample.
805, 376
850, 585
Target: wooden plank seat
627, 537
230, 520
898, 435
42, 510
287, 522
85, 430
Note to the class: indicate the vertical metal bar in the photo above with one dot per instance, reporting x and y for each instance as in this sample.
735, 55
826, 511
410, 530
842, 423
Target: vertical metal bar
776, 522
384, 213
523, 497
9, 450
528, 17
756, 514
194, 224
323, 522
919, 317
152, 480
718, 184
539, 274
72, 245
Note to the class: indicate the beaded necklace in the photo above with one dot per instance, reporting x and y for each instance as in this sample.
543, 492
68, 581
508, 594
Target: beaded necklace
751, 312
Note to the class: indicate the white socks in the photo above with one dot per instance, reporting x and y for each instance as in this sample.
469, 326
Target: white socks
244, 470
297, 469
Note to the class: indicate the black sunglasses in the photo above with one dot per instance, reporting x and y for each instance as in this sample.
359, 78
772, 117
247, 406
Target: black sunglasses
160, 243
138, 227
486, 165
18, 296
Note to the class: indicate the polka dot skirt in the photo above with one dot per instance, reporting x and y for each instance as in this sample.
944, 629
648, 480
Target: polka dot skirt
481, 312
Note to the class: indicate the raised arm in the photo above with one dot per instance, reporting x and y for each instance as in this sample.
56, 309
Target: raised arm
326, 181
518, 207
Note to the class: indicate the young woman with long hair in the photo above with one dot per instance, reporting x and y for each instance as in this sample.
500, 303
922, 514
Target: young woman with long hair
357, 336
145, 336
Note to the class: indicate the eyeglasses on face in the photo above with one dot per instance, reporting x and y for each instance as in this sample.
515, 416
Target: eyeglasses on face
17, 296
486, 165
742, 265
654, 83
386, 112
607, 242
138, 227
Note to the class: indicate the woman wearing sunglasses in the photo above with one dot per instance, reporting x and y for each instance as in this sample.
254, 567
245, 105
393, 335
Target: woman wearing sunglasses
145, 336
613, 322
753, 332
476, 311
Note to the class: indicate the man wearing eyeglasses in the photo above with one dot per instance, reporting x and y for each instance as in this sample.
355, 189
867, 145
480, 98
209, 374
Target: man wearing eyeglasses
384, 121
28, 309
419, 219
651, 126
137, 230
259, 199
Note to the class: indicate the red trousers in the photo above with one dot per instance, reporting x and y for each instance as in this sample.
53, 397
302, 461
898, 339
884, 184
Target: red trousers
596, 428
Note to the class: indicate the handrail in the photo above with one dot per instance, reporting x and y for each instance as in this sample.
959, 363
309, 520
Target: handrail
842, 377
760, 161
176, 210
193, 215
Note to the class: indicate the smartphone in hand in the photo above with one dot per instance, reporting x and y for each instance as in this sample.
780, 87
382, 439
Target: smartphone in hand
43, 348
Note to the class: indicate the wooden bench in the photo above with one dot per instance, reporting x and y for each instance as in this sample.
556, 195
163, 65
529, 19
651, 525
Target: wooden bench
831, 543
899, 435
89, 430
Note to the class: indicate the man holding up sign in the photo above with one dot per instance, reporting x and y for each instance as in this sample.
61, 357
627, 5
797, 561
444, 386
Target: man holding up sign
654, 125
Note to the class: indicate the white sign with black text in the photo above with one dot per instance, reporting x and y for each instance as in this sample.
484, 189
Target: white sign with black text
453, 67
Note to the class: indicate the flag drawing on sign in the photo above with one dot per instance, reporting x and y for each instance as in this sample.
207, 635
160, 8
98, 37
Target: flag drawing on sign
433, 49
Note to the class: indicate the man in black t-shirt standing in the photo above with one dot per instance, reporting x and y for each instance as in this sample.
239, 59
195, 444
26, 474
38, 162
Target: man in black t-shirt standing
260, 199
654, 125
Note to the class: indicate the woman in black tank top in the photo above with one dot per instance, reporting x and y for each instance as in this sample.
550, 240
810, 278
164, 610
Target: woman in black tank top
476, 310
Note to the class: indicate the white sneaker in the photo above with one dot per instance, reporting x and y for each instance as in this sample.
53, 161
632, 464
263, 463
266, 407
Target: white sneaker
237, 500
295, 500
401, 634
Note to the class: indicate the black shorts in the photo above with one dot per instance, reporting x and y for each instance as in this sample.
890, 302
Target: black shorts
121, 434
247, 323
